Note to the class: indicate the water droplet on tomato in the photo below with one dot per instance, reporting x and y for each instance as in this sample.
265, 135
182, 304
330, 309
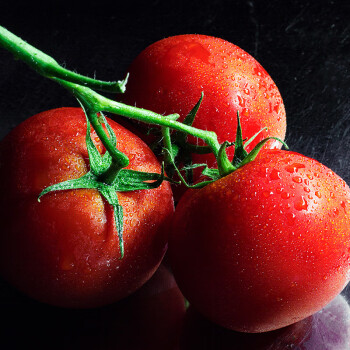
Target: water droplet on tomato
292, 168
275, 174
301, 204
241, 101
285, 195
297, 179
318, 194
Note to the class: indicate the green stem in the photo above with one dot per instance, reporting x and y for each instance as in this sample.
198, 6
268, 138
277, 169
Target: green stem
167, 144
93, 102
48, 67
101, 103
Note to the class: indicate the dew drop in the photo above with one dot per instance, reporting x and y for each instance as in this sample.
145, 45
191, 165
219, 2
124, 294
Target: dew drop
241, 101
297, 179
292, 168
275, 174
285, 195
318, 194
279, 190
301, 204
290, 218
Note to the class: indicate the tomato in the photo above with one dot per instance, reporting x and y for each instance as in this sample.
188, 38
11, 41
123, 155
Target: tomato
170, 75
265, 246
64, 250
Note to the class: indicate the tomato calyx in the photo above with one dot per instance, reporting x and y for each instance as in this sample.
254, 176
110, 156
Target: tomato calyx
225, 167
107, 179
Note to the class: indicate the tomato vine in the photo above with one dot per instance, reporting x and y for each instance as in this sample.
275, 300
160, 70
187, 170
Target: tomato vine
107, 173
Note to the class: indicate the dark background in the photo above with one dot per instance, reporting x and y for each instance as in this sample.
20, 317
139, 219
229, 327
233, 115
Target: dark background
303, 45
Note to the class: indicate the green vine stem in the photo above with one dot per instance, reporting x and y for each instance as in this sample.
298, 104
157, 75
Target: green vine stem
48, 67
96, 102
92, 102
107, 173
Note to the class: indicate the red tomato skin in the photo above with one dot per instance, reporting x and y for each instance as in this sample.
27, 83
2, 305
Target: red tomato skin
266, 246
64, 250
170, 75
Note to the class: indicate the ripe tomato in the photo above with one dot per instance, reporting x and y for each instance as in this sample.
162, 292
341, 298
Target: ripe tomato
170, 75
265, 246
64, 250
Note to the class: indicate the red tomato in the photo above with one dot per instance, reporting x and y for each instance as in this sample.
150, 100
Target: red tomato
265, 246
170, 75
65, 249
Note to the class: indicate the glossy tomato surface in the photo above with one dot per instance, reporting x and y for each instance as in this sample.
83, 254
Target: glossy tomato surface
64, 250
170, 75
265, 246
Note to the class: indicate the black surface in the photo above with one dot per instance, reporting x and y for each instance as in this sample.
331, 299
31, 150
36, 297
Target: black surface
304, 45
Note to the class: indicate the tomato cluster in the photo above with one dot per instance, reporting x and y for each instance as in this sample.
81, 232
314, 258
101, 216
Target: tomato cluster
256, 250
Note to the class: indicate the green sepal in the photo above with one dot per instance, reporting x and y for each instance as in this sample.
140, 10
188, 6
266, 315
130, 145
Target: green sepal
253, 137
126, 180
240, 152
241, 156
177, 147
209, 172
110, 194
189, 167
255, 151
132, 180
86, 181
